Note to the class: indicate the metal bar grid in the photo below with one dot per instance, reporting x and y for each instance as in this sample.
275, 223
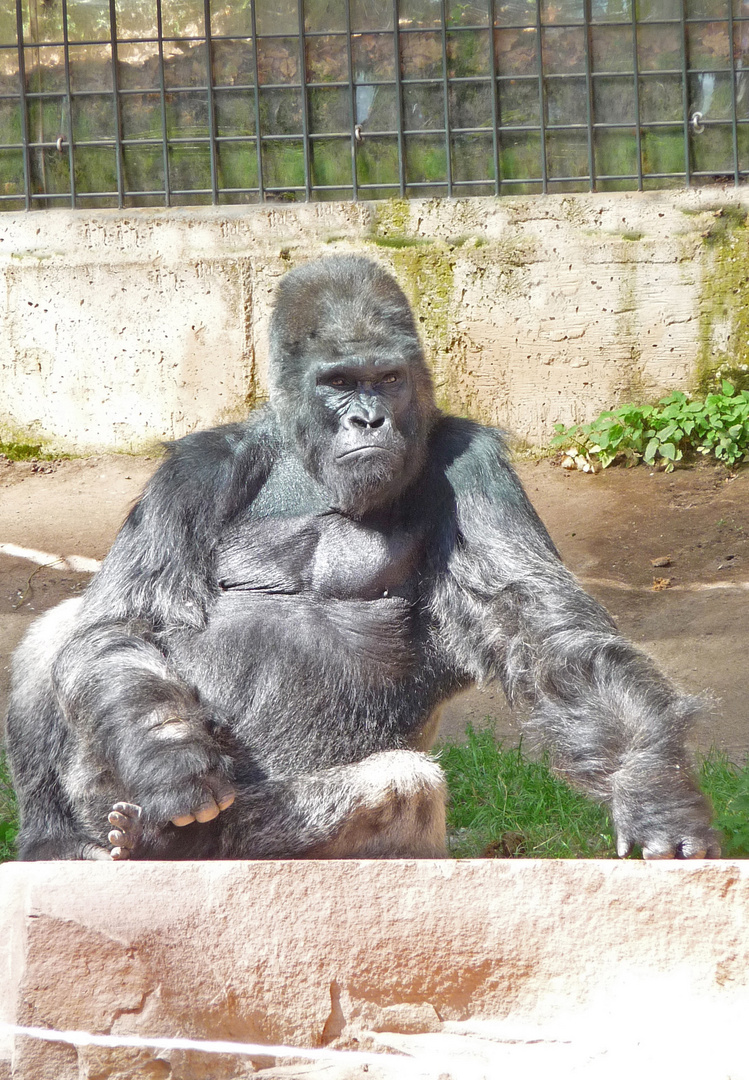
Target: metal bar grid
211, 101
685, 94
355, 129
552, 121
401, 147
162, 95
68, 103
119, 159
496, 110
541, 97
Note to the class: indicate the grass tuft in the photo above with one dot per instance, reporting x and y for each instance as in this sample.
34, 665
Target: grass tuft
503, 803
8, 813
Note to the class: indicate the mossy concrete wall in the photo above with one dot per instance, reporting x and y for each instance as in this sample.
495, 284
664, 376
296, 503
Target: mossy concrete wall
121, 328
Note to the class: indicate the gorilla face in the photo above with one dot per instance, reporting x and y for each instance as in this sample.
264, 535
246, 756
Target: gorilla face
349, 382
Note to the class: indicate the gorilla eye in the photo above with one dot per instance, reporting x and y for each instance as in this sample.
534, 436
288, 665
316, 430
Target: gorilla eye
390, 378
337, 380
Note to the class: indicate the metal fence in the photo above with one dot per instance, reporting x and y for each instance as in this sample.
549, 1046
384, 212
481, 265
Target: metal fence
183, 102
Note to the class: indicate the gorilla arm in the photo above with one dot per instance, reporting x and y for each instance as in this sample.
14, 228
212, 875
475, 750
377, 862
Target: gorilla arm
508, 609
131, 711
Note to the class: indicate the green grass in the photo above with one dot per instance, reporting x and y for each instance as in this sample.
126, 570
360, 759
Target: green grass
17, 451
503, 803
8, 813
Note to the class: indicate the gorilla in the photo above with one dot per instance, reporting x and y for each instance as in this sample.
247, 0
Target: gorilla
257, 670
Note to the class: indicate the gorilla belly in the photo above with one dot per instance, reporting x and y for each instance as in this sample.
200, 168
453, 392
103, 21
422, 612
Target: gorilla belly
288, 670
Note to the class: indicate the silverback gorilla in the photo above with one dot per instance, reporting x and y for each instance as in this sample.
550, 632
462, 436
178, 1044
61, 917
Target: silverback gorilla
258, 667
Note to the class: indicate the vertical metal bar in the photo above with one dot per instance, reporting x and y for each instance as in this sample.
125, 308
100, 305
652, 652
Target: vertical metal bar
66, 58
589, 96
685, 94
399, 95
162, 93
258, 142
734, 125
305, 104
495, 98
636, 76
446, 100
211, 101
117, 114
352, 103
541, 97
24, 106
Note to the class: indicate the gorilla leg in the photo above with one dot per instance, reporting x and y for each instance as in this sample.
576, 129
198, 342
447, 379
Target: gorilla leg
391, 805
39, 747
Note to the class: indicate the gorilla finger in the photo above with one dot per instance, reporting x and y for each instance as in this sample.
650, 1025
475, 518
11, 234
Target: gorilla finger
623, 847
129, 809
208, 811
119, 854
183, 819
693, 848
701, 847
117, 838
225, 798
658, 850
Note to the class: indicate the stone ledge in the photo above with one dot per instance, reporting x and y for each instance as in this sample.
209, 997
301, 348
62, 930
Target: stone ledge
401, 954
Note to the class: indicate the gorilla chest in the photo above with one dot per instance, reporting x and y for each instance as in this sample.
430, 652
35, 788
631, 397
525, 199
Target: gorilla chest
324, 557
327, 596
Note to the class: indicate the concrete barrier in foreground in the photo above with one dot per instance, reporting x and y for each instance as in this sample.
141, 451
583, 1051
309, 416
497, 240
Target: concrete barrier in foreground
477, 969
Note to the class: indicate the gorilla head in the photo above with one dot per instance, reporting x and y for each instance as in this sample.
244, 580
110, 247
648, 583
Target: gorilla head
349, 383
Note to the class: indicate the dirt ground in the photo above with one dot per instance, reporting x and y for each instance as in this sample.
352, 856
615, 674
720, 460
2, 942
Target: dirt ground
608, 527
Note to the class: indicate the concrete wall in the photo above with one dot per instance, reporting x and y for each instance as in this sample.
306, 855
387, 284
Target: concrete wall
120, 328
482, 970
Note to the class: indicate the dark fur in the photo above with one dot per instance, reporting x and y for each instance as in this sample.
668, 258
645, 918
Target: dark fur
303, 603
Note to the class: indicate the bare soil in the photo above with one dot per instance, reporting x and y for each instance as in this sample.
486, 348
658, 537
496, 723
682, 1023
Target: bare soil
690, 612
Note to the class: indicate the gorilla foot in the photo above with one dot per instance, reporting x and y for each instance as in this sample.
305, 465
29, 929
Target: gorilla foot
125, 817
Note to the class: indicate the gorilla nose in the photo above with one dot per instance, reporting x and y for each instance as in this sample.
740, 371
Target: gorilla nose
362, 422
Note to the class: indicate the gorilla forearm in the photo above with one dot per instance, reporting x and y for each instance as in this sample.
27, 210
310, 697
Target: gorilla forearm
143, 723
614, 725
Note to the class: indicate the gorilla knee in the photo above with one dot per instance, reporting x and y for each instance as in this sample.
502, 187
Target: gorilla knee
399, 809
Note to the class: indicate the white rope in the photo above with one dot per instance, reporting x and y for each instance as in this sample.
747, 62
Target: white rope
398, 1063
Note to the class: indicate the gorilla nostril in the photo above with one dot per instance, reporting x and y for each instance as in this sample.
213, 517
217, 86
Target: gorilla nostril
378, 422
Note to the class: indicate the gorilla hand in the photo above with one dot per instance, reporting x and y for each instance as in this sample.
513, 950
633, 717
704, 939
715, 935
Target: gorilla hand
659, 808
179, 771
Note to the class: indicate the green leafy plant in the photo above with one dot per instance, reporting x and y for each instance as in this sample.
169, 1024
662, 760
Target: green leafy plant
665, 433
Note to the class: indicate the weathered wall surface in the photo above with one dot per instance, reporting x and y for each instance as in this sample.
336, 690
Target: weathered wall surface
489, 969
118, 329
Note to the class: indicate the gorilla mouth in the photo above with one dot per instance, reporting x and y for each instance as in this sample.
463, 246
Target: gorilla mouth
367, 450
